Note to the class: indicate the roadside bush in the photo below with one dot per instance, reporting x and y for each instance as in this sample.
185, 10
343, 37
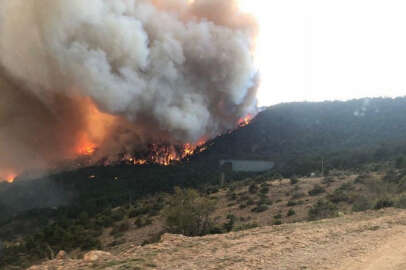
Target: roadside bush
228, 226
188, 213
384, 203
317, 189
246, 226
323, 209
277, 222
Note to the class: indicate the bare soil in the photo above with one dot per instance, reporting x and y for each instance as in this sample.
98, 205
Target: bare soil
373, 240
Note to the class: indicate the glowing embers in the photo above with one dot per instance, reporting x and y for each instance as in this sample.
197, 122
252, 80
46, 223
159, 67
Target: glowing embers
164, 154
245, 120
8, 177
85, 147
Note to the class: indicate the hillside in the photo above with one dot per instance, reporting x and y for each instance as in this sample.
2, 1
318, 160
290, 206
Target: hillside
297, 135
114, 207
374, 240
239, 206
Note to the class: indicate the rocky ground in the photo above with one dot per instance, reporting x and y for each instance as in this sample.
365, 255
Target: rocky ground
373, 240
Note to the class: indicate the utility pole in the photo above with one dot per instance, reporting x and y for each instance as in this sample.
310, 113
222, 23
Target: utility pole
322, 166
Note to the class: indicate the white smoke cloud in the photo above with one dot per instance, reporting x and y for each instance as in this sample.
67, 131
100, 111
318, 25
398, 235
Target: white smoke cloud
168, 70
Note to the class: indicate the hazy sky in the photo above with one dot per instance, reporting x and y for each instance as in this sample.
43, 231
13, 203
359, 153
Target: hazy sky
322, 50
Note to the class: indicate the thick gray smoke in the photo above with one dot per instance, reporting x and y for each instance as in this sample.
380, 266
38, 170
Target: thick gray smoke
157, 71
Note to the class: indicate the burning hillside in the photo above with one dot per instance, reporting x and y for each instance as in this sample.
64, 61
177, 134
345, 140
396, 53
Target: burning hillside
100, 78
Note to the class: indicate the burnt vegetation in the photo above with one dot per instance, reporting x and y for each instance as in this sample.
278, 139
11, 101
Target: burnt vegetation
361, 143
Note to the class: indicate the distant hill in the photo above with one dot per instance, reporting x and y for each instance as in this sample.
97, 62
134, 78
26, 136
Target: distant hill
293, 132
296, 136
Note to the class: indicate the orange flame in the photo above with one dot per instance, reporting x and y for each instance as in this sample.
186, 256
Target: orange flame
166, 155
10, 177
85, 148
245, 120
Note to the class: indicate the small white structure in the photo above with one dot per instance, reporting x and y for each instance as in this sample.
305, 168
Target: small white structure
248, 165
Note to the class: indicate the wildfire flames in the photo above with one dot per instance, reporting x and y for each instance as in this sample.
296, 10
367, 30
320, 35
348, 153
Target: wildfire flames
9, 177
86, 148
165, 155
246, 120
138, 98
162, 154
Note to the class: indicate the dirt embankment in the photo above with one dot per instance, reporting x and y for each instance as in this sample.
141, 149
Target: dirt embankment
374, 240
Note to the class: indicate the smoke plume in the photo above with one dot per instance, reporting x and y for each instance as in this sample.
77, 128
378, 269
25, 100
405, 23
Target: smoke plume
119, 74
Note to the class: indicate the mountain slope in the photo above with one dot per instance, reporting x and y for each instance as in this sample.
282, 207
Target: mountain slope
290, 133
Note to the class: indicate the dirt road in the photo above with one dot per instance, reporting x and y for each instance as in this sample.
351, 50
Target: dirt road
374, 240
390, 256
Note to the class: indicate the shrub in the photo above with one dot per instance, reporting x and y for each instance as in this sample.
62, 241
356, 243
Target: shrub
246, 226
250, 202
232, 196
188, 213
264, 190
294, 180
346, 187
264, 200
385, 203
228, 226
317, 189
328, 180
391, 177
361, 203
291, 212
118, 215
277, 222
298, 195
260, 208
401, 203
253, 189
277, 216
400, 162
138, 211
243, 198
323, 209
338, 196
291, 203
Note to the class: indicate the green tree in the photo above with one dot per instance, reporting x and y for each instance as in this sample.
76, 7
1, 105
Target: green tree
188, 213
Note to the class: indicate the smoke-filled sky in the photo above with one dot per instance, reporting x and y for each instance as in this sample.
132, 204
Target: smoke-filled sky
324, 49
119, 75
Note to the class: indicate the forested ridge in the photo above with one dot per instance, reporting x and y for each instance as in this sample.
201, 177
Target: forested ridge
296, 136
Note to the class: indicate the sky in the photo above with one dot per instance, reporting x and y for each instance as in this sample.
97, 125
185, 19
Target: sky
318, 50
